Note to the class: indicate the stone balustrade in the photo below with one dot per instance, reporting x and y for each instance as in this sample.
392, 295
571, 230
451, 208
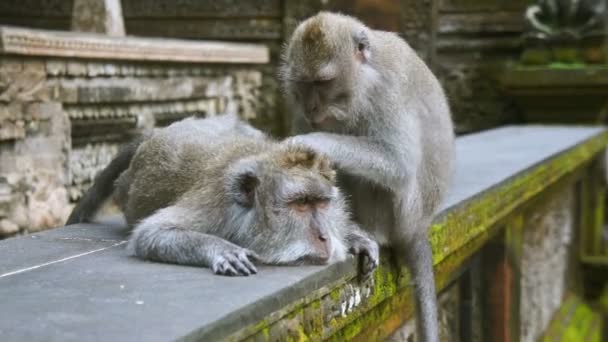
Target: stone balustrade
505, 248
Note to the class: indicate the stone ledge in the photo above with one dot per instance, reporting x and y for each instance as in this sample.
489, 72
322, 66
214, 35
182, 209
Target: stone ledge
79, 276
25, 41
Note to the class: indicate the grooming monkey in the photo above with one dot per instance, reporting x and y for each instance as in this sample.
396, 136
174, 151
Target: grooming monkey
382, 117
217, 193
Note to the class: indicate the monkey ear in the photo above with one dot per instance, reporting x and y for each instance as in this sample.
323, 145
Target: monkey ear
362, 47
242, 182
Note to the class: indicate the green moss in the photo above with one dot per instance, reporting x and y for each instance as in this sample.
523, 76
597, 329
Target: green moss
462, 225
574, 321
562, 66
536, 56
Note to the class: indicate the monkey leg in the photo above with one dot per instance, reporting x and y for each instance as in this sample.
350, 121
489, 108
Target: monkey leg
164, 237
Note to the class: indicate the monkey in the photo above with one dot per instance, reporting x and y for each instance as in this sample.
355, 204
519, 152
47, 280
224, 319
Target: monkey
218, 193
365, 99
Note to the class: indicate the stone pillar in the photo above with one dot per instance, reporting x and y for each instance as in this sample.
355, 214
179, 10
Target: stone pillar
99, 16
34, 140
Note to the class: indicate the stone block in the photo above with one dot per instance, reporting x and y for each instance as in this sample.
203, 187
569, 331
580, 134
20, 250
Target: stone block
99, 16
27, 84
547, 245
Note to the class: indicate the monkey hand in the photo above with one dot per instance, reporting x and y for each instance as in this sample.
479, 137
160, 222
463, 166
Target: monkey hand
233, 260
368, 250
314, 141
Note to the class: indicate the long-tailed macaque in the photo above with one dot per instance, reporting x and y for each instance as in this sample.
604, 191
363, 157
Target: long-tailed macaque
382, 117
217, 193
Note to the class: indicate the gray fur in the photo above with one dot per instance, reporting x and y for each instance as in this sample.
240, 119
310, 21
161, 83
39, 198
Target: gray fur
216, 193
381, 115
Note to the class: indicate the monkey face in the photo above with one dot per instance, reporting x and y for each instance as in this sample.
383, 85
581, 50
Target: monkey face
325, 68
305, 208
324, 103
290, 197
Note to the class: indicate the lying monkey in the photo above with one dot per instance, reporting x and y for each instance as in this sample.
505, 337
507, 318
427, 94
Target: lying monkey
217, 193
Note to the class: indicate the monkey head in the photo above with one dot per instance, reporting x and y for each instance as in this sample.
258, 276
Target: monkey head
288, 197
326, 69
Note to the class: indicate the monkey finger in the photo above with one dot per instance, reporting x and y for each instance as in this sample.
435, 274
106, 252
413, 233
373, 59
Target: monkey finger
224, 268
238, 265
243, 258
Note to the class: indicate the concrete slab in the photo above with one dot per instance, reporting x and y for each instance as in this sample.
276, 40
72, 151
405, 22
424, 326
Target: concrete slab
78, 283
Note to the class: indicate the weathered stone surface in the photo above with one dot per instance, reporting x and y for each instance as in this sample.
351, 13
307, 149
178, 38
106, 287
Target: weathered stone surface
224, 29
22, 81
141, 89
69, 44
547, 245
449, 303
201, 9
474, 40
548, 94
36, 8
34, 167
99, 16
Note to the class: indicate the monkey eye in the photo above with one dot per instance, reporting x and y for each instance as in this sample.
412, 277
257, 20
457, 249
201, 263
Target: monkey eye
306, 203
300, 206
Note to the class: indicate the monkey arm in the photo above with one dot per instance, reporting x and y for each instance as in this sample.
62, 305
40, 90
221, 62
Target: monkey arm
359, 156
167, 236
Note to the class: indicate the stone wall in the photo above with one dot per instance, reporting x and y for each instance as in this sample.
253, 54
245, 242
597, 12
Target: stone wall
468, 42
62, 119
474, 41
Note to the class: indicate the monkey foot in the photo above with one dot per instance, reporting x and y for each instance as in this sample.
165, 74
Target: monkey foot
235, 262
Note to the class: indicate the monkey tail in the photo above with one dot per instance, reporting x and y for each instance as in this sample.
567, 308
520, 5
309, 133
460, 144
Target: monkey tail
103, 186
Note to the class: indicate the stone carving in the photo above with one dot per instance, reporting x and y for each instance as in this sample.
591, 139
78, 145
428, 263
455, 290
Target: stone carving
71, 44
33, 169
63, 114
566, 19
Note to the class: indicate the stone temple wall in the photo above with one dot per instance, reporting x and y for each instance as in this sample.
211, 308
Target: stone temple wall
63, 119
467, 42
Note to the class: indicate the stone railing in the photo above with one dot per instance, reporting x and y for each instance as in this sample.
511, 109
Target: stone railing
506, 257
67, 100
